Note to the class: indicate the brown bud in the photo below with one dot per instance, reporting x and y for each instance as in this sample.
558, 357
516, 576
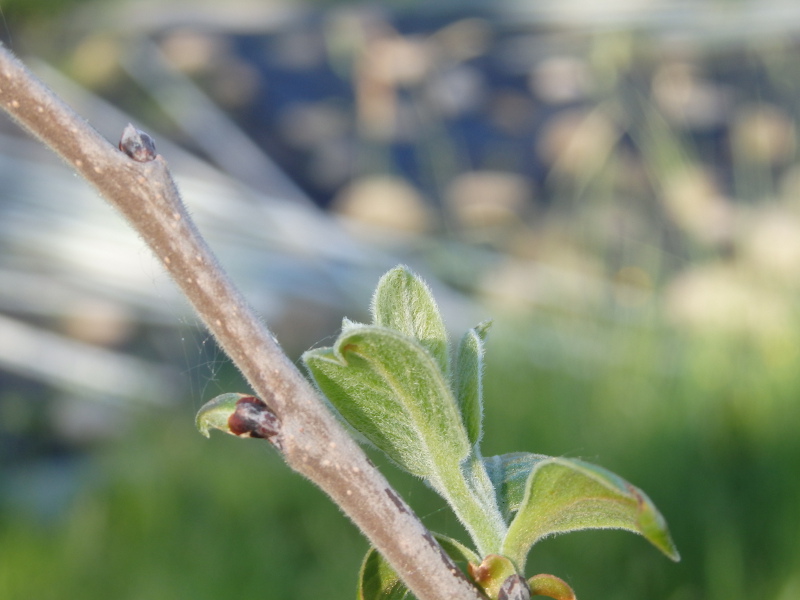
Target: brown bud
137, 144
252, 418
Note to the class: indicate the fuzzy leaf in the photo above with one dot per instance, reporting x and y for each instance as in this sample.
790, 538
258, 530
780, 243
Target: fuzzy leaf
241, 415
391, 390
550, 586
378, 581
347, 324
509, 475
492, 574
403, 302
564, 495
468, 382
215, 413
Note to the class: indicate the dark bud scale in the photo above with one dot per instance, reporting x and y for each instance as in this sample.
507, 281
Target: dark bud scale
252, 418
137, 144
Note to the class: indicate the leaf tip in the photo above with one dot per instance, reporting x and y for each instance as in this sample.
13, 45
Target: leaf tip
482, 328
653, 526
550, 586
214, 414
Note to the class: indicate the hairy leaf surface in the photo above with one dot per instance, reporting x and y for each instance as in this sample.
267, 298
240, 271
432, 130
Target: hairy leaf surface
468, 380
404, 302
564, 495
509, 476
391, 390
215, 413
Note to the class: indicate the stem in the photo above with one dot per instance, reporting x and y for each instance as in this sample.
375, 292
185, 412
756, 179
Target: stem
472, 497
314, 442
478, 479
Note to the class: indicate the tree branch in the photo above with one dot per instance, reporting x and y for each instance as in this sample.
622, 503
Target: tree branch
313, 442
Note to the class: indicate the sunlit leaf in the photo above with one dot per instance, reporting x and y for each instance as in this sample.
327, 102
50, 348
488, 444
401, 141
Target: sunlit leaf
550, 586
391, 390
215, 413
509, 476
492, 573
241, 415
348, 323
403, 302
564, 495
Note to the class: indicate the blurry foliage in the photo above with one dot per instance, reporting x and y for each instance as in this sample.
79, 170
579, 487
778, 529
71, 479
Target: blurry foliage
20, 11
145, 524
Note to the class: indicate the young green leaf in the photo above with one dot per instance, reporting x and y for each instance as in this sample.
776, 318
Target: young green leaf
468, 380
378, 581
509, 476
215, 413
241, 415
403, 302
564, 495
550, 586
492, 573
347, 324
391, 390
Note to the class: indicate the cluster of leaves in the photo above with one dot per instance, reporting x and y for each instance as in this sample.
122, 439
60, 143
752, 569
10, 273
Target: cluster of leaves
394, 384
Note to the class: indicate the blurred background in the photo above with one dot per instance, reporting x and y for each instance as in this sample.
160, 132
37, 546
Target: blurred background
616, 184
